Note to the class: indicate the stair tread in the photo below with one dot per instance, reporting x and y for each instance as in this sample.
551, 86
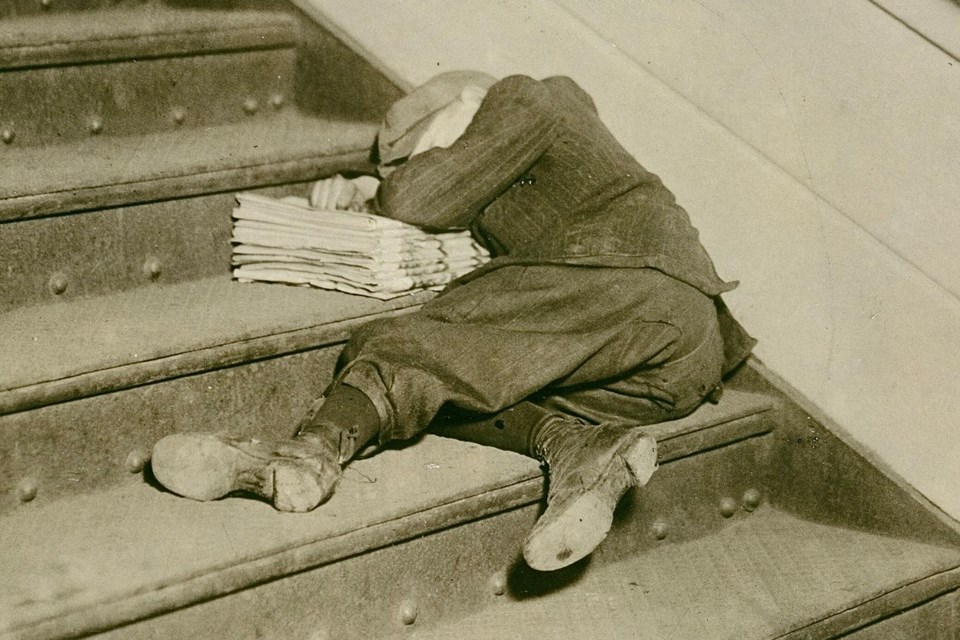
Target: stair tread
116, 170
133, 550
101, 548
146, 329
145, 31
759, 577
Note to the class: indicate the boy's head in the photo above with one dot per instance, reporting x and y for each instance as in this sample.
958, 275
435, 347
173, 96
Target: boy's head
410, 117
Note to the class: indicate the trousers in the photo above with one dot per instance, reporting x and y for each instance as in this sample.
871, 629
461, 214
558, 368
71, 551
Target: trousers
598, 343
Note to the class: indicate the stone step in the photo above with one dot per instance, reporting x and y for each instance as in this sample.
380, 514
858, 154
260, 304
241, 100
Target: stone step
12, 8
139, 70
139, 31
89, 385
98, 172
141, 210
413, 537
264, 99
768, 575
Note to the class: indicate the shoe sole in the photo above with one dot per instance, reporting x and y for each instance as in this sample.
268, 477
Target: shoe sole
206, 467
585, 523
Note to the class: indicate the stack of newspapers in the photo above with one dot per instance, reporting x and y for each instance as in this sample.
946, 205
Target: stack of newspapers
332, 241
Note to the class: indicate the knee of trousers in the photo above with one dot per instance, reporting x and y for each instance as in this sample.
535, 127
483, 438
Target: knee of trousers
362, 336
691, 376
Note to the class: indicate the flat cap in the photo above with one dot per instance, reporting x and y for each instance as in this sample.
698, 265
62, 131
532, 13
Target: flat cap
410, 115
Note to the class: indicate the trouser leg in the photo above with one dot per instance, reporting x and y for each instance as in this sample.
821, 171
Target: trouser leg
513, 429
345, 419
516, 331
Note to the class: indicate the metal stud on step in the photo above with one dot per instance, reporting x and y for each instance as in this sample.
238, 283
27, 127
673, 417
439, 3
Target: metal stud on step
178, 115
660, 530
7, 135
27, 490
58, 283
152, 268
96, 125
498, 583
409, 612
46, 3
728, 507
251, 105
135, 461
276, 100
752, 499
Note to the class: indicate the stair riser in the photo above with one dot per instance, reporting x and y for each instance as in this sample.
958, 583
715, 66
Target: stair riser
449, 573
65, 257
690, 497
826, 476
10, 8
60, 104
938, 619
77, 447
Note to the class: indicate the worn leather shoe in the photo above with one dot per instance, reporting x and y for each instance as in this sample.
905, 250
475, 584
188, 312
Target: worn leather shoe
293, 475
590, 468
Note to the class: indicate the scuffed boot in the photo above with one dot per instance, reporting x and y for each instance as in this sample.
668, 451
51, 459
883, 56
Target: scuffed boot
293, 475
590, 468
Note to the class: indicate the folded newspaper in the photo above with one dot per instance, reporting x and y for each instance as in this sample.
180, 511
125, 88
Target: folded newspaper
333, 241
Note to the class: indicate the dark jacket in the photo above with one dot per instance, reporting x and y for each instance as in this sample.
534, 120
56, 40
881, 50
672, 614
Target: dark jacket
539, 179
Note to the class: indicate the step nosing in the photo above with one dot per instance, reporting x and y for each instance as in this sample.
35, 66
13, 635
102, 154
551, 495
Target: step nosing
215, 160
187, 173
139, 36
255, 570
239, 351
98, 57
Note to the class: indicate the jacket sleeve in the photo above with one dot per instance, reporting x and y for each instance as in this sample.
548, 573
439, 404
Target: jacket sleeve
448, 188
568, 85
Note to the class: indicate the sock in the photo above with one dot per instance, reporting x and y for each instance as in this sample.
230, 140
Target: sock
513, 429
345, 417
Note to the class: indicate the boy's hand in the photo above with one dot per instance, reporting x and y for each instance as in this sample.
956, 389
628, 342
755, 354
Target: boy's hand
339, 193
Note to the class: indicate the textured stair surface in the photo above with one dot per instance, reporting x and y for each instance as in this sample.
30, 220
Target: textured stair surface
141, 70
764, 576
124, 130
110, 171
91, 383
10, 8
135, 548
139, 33
117, 555
61, 351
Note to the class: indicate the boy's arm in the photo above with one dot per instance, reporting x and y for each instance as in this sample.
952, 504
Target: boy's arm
448, 188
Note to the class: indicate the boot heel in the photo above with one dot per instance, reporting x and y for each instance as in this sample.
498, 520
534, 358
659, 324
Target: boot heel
641, 459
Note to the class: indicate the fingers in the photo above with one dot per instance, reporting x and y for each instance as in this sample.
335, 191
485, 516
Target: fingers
339, 193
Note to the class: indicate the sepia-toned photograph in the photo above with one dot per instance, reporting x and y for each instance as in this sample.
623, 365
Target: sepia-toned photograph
480, 320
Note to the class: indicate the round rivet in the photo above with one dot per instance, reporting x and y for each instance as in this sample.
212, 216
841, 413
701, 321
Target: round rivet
728, 507
752, 499
96, 125
178, 115
46, 3
408, 612
135, 462
498, 583
660, 530
276, 100
7, 135
152, 268
58, 283
27, 490
250, 105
